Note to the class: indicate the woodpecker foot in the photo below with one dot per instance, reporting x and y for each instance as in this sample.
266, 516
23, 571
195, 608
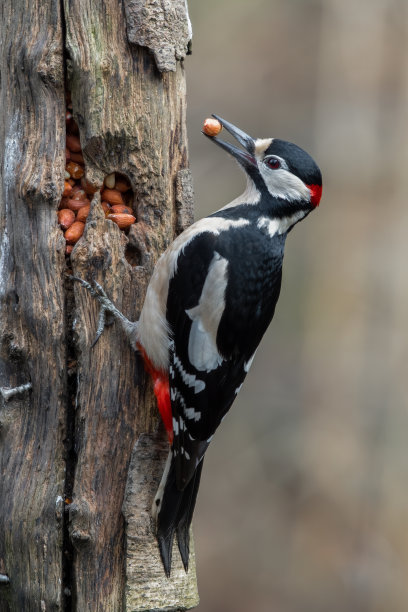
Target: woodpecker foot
107, 307
8, 393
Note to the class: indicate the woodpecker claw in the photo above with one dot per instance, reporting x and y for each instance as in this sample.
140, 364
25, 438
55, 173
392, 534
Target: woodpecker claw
107, 306
101, 325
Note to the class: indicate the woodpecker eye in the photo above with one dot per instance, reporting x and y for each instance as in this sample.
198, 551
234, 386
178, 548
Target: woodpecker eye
273, 163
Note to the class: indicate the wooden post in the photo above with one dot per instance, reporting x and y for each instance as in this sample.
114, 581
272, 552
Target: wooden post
72, 417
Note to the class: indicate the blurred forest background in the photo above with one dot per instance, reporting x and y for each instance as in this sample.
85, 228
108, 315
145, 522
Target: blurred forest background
304, 499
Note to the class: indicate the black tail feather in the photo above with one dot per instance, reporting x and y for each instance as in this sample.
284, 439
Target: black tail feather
175, 515
165, 548
185, 515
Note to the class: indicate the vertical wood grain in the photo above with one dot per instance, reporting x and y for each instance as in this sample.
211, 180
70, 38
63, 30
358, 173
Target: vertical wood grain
32, 330
132, 120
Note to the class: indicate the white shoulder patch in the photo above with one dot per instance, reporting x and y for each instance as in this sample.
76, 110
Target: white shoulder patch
206, 316
153, 332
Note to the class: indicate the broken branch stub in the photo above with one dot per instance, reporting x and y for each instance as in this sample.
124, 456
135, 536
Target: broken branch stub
163, 26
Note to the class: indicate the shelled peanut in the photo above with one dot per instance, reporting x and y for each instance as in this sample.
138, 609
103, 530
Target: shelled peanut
116, 193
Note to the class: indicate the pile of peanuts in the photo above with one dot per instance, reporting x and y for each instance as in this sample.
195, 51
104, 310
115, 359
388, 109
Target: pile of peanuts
116, 193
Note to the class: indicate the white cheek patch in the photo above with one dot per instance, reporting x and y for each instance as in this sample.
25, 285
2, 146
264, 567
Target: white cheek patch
283, 184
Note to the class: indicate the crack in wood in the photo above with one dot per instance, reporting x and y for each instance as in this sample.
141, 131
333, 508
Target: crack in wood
68, 586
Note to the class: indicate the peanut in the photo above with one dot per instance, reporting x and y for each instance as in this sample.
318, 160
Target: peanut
78, 158
122, 220
83, 213
67, 189
120, 208
73, 143
66, 218
75, 171
78, 193
75, 205
122, 185
73, 234
113, 196
212, 127
110, 181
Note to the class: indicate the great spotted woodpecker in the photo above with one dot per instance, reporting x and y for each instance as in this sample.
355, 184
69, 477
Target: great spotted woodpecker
210, 300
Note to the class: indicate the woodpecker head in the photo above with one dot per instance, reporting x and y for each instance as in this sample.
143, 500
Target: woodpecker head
276, 168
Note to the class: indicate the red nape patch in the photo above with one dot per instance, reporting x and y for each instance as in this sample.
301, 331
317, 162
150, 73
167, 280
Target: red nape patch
315, 194
162, 392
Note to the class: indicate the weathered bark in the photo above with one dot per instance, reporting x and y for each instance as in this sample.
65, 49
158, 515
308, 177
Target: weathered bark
132, 120
32, 330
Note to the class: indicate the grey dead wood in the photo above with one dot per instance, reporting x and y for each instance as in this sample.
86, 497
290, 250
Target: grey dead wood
92, 416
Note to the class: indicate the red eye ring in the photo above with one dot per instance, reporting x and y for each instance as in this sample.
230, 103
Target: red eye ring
273, 163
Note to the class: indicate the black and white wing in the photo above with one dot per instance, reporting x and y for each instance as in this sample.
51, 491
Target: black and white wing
218, 308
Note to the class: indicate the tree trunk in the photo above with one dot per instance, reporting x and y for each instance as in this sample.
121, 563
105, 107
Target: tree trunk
81, 444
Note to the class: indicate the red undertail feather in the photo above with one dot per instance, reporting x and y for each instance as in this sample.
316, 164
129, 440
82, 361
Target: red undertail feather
162, 392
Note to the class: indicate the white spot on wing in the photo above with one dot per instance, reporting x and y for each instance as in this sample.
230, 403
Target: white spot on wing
189, 379
206, 316
192, 414
189, 413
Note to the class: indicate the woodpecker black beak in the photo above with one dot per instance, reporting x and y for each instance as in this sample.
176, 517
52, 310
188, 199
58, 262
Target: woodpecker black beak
245, 158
